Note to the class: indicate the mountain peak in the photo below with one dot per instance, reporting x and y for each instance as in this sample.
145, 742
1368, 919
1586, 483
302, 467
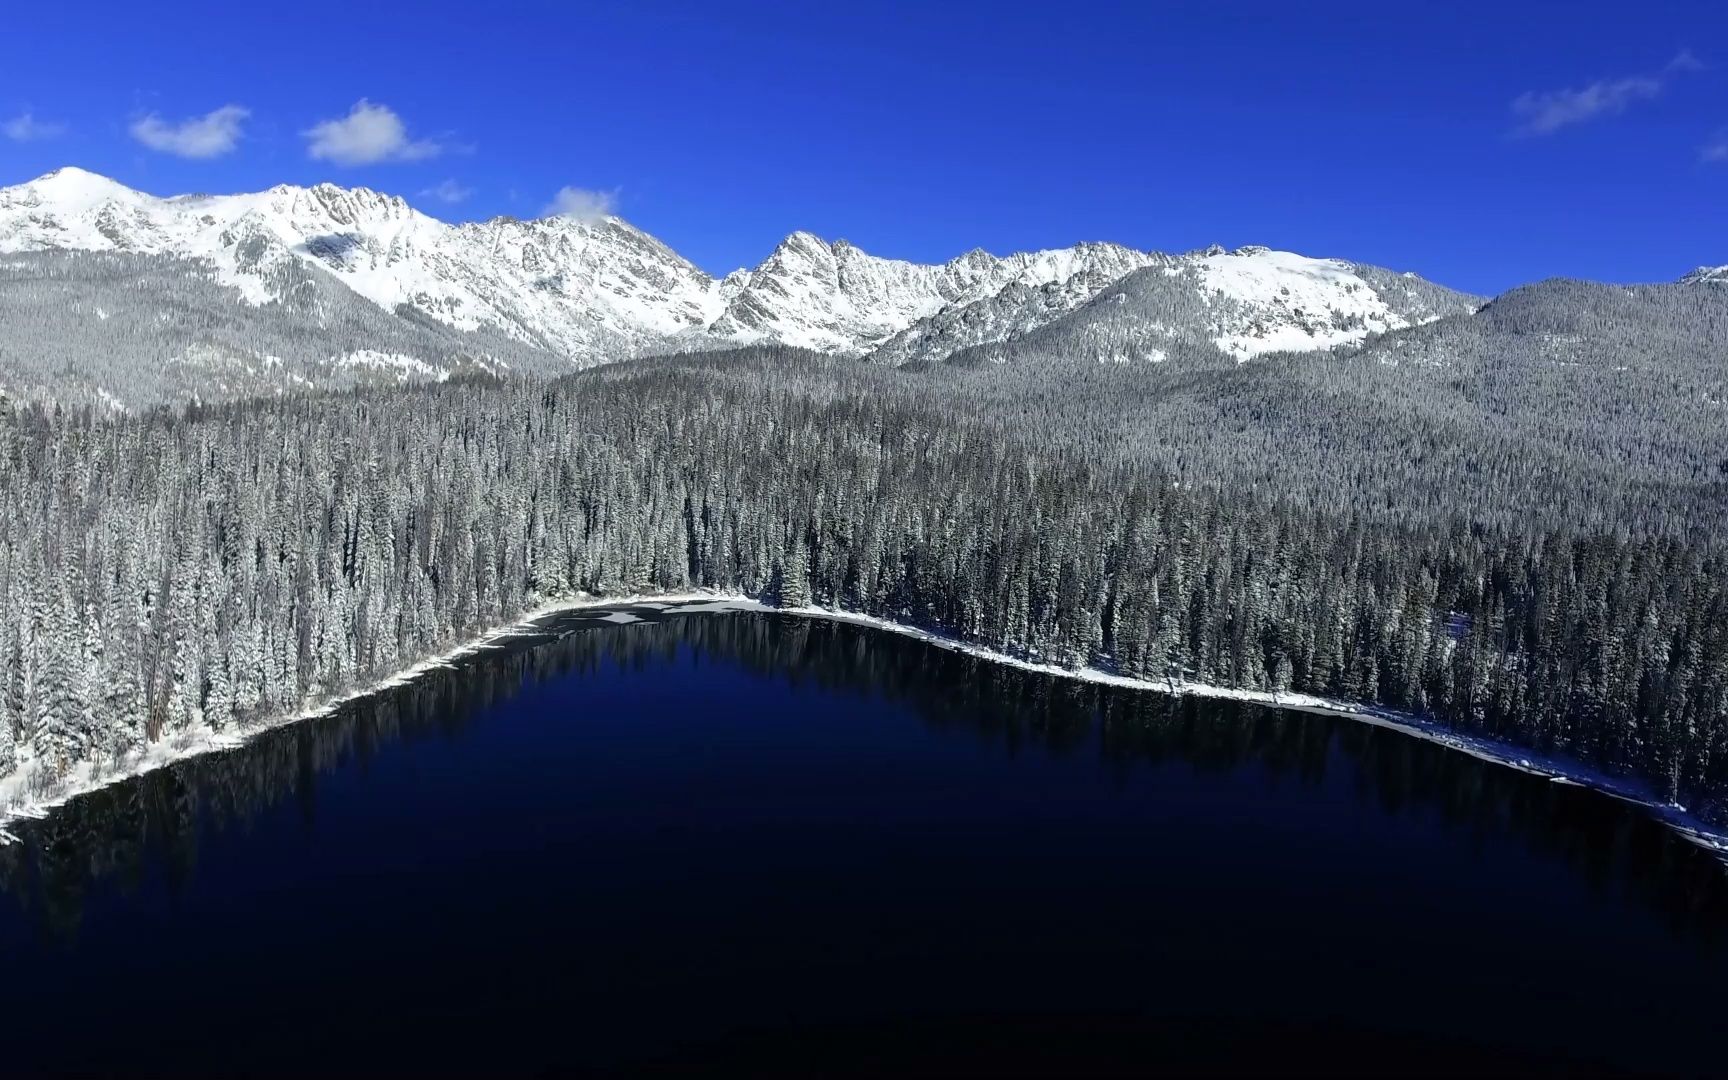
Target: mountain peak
70, 173
74, 187
1715, 274
804, 241
584, 223
351, 204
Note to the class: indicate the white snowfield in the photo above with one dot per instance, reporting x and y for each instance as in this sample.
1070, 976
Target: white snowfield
599, 289
24, 796
1307, 298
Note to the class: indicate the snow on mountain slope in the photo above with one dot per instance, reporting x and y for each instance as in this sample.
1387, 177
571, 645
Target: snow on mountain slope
358, 233
1716, 274
141, 329
1244, 303
1224, 305
1015, 311
1288, 302
555, 277
830, 297
835, 298
592, 291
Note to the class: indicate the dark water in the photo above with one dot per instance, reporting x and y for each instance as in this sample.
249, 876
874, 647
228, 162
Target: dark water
752, 843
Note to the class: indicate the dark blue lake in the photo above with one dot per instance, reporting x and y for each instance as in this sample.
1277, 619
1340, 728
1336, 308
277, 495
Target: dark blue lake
752, 842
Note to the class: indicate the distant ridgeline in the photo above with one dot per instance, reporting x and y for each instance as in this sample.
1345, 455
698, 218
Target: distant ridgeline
1511, 520
116, 298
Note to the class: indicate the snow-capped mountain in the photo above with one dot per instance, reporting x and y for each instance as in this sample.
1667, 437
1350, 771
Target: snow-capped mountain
1012, 313
835, 298
1714, 274
1209, 305
558, 290
592, 290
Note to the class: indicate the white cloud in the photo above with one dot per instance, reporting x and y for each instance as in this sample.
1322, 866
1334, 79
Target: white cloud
1685, 60
26, 128
367, 135
211, 135
1546, 113
1716, 150
448, 191
581, 204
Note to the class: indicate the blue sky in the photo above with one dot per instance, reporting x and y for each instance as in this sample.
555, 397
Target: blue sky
1481, 145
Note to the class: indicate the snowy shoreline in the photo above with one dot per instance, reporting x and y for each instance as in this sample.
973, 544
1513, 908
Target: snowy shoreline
19, 803
16, 804
1556, 770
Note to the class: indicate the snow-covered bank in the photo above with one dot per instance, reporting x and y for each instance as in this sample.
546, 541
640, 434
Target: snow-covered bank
1554, 768
18, 802
26, 794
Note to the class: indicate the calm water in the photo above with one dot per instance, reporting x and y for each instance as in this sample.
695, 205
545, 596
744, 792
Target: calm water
751, 842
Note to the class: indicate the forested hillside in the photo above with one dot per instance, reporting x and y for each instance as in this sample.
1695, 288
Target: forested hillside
131, 331
179, 572
1558, 405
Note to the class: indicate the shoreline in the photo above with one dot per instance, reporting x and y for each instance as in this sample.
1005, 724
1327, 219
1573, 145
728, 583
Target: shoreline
1496, 752
17, 806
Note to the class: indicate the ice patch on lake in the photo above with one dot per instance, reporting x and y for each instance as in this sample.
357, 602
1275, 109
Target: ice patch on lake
622, 618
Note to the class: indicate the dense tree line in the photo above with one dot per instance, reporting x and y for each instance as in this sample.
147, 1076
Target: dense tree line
183, 571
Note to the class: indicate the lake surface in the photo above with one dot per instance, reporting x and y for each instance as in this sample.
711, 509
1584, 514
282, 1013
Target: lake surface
750, 841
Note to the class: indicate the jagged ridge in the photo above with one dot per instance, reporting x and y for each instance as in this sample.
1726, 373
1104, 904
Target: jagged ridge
595, 290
